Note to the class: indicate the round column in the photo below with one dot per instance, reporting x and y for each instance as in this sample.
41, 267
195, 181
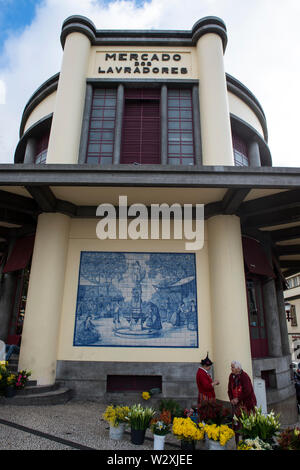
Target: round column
66, 126
214, 108
230, 331
44, 300
254, 154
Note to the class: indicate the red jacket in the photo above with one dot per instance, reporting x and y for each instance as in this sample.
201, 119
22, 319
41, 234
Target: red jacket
205, 387
240, 386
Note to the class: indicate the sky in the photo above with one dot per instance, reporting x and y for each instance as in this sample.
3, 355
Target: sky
263, 52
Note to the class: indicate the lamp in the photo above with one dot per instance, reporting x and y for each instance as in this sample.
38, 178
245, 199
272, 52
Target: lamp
288, 311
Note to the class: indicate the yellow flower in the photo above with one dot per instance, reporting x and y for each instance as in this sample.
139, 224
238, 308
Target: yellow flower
115, 415
146, 395
220, 433
185, 428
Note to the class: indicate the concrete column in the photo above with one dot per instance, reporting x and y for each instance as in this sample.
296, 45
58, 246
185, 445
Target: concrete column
66, 126
85, 124
30, 150
214, 109
272, 320
196, 126
119, 125
282, 319
7, 300
229, 316
44, 300
7, 296
254, 154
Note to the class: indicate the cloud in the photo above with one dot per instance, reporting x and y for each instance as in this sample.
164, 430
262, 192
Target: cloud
262, 52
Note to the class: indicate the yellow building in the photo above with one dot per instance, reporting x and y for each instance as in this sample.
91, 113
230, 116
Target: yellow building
150, 116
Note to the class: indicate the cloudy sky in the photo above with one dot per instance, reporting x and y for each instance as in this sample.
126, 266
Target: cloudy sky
263, 52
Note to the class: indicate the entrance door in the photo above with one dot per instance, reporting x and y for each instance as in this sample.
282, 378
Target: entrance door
257, 325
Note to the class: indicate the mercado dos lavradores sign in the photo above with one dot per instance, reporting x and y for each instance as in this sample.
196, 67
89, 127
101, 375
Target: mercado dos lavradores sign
143, 64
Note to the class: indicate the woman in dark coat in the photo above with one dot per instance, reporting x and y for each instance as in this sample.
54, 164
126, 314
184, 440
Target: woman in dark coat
241, 393
240, 389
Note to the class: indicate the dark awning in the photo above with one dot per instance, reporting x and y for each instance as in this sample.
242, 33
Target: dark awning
20, 255
256, 259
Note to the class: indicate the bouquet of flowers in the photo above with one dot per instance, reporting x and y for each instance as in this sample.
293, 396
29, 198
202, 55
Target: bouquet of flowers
256, 424
187, 430
115, 415
289, 439
161, 425
254, 444
140, 417
222, 433
213, 413
21, 379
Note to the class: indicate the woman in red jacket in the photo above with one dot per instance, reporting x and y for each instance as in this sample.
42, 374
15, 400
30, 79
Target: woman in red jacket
205, 383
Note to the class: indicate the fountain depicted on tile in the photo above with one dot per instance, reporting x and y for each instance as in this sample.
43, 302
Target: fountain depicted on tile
136, 300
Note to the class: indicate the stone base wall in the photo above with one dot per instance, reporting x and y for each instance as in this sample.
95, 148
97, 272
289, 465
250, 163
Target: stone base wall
88, 380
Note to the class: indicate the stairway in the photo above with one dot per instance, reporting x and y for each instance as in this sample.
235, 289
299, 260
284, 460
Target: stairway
34, 394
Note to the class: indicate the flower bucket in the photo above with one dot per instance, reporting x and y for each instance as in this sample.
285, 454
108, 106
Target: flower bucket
9, 392
215, 445
159, 442
138, 436
116, 432
187, 445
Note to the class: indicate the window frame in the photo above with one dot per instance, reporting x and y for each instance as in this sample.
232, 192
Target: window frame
120, 85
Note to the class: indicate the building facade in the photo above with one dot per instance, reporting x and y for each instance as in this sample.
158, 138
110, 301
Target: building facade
292, 307
150, 116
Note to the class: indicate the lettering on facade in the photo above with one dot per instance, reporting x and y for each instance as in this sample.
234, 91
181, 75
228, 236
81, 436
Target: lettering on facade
143, 63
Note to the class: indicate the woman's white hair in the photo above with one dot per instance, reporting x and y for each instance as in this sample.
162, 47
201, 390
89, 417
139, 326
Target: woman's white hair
236, 364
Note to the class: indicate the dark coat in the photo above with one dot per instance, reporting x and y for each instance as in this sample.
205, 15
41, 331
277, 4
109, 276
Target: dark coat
240, 386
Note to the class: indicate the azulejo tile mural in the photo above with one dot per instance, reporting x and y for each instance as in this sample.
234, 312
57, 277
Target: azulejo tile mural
136, 300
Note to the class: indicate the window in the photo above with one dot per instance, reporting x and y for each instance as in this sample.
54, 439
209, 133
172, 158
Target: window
180, 127
141, 126
258, 337
240, 151
133, 383
102, 127
41, 149
139, 117
293, 316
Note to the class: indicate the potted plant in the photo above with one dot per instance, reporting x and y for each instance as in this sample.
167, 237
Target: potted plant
116, 416
139, 419
21, 379
218, 435
256, 424
10, 389
7, 381
160, 427
289, 439
216, 418
173, 406
188, 432
211, 412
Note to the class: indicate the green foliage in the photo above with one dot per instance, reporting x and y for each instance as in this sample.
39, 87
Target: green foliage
172, 406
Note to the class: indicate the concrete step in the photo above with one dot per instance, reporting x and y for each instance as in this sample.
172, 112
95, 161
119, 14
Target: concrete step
39, 395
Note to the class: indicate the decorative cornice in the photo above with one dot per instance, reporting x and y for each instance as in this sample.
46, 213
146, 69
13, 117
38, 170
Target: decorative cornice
81, 24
